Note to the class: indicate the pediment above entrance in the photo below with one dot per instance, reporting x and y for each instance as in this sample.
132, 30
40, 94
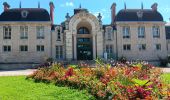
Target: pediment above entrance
84, 17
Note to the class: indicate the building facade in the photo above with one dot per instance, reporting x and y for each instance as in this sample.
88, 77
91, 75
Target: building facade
30, 36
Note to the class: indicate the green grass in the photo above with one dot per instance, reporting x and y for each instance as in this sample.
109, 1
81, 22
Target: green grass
166, 77
17, 88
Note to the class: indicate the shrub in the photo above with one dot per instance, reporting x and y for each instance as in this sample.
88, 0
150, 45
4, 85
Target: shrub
124, 81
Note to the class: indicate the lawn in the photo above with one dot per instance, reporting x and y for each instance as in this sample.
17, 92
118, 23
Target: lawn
166, 77
17, 88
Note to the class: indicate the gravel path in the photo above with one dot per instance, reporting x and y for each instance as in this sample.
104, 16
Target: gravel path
30, 71
17, 72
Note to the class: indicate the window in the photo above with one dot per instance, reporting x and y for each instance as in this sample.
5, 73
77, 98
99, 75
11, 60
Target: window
126, 47
157, 46
109, 33
58, 35
23, 48
40, 32
83, 30
24, 32
156, 31
126, 32
40, 48
142, 47
141, 32
7, 48
7, 32
109, 50
59, 52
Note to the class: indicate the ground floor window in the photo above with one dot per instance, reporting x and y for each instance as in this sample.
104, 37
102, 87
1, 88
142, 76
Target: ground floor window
109, 50
40, 48
59, 52
23, 48
7, 48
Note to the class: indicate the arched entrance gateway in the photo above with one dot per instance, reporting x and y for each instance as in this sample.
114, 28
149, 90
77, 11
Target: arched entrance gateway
84, 39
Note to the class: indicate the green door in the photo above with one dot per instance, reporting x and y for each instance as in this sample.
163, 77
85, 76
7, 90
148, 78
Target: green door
84, 49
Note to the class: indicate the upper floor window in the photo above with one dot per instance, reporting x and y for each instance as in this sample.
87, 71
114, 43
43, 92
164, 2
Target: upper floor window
7, 48
109, 33
23, 48
40, 48
24, 32
40, 32
127, 47
156, 31
141, 47
141, 32
58, 34
126, 32
83, 30
7, 32
157, 46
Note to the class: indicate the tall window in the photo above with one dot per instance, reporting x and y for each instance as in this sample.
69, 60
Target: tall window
7, 48
157, 46
24, 32
109, 50
126, 47
83, 30
156, 31
58, 35
141, 32
23, 48
109, 33
59, 52
40, 48
7, 32
141, 47
126, 32
40, 32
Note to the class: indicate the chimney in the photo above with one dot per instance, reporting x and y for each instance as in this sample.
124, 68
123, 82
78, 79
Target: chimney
52, 11
6, 6
154, 7
113, 12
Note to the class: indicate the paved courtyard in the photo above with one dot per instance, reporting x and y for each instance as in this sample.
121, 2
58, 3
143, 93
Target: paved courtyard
30, 71
17, 72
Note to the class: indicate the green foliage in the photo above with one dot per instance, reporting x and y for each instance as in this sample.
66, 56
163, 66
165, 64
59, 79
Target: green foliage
123, 81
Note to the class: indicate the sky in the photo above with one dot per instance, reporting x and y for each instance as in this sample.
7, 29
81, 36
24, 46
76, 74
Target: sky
94, 6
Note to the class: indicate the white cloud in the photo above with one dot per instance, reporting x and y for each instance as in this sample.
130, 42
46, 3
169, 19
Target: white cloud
67, 4
104, 13
165, 9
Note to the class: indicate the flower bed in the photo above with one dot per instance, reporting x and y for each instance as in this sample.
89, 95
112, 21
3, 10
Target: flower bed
121, 81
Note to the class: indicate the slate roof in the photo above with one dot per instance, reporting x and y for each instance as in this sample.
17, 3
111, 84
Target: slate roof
34, 14
131, 15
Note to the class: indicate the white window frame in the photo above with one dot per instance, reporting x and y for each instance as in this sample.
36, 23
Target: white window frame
59, 52
126, 32
109, 50
157, 47
126, 48
23, 32
8, 48
40, 32
142, 47
25, 48
156, 31
40, 48
7, 32
141, 32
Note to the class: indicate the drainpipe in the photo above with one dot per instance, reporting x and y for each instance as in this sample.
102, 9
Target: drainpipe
116, 46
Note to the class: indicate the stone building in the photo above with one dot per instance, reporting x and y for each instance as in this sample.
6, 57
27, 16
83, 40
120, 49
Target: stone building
29, 35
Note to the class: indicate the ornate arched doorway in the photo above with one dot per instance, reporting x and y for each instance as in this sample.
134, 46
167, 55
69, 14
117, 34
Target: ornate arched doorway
84, 44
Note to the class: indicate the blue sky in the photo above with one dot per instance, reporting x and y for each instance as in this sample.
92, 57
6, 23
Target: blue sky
94, 6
